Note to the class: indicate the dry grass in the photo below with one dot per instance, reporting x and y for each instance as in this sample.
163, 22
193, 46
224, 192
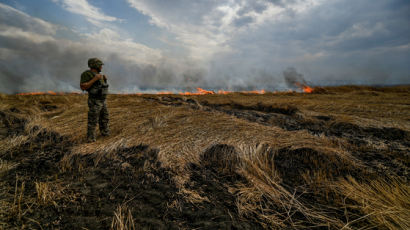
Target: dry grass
20, 204
46, 193
268, 197
10, 143
123, 219
182, 135
5, 166
385, 203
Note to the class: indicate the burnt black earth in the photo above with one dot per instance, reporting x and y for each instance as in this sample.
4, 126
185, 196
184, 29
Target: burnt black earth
90, 189
93, 186
10, 124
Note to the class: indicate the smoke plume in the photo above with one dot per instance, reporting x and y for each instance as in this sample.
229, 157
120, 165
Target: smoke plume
293, 78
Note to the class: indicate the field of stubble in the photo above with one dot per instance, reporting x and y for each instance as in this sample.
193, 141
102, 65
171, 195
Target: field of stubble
337, 158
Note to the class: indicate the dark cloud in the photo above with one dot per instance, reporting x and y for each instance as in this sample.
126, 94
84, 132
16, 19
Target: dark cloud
282, 2
243, 21
255, 6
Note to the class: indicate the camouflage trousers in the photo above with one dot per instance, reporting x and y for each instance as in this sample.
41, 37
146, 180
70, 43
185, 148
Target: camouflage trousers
97, 113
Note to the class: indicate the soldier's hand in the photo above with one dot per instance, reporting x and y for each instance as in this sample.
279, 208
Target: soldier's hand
105, 77
98, 76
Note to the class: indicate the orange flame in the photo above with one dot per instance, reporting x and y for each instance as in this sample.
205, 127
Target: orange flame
224, 92
304, 87
165, 92
32, 93
198, 92
202, 91
205, 92
254, 92
307, 89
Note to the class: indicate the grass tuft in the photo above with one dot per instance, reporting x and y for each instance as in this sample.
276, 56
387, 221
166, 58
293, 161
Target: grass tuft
122, 219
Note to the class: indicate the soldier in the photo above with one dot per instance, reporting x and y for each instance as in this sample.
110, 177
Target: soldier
97, 87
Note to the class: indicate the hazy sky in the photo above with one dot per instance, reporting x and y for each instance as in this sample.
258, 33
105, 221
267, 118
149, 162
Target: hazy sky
227, 44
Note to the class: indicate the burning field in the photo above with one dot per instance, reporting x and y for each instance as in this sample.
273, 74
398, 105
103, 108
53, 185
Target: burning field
329, 158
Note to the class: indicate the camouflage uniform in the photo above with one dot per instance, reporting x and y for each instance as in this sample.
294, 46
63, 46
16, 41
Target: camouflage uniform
98, 112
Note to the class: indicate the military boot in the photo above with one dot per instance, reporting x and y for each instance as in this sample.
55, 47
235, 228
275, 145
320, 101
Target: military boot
105, 133
90, 137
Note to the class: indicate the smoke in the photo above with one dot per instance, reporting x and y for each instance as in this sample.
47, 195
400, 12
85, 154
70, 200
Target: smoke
250, 52
33, 57
293, 78
39, 66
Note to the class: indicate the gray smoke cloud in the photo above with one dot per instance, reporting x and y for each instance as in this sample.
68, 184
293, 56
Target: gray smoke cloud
32, 61
32, 58
293, 78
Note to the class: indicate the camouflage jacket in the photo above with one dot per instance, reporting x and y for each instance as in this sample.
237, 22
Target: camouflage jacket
99, 89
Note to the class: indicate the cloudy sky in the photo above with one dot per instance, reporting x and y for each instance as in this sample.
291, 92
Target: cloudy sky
215, 44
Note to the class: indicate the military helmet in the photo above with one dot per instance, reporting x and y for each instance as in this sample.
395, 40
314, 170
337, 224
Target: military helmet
95, 63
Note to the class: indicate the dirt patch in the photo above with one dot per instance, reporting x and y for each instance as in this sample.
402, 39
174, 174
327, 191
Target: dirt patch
10, 124
95, 186
67, 191
130, 177
349, 129
324, 118
39, 142
47, 106
293, 164
213, 180
393, 163
14, 110
307, 173
222, 157
287, 110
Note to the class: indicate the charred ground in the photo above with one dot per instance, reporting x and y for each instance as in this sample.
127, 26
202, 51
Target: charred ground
337, 158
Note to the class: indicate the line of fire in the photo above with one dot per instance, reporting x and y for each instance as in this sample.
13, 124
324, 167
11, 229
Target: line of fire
199, 91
